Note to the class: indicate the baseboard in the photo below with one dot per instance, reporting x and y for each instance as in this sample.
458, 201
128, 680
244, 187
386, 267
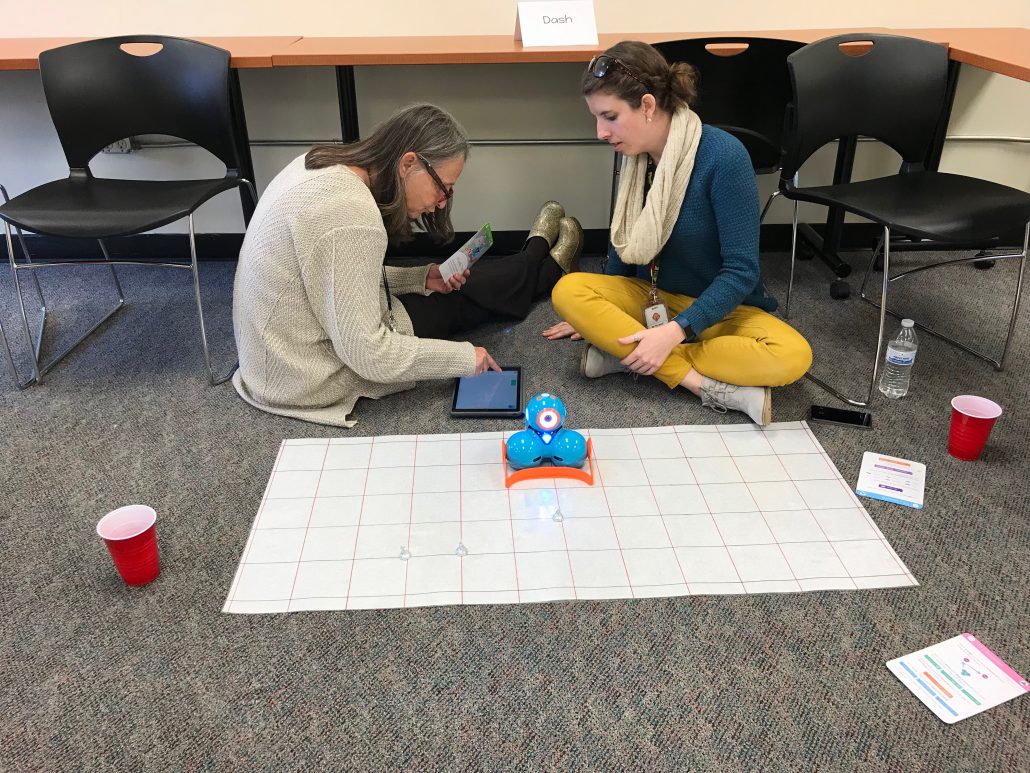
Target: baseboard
226, 246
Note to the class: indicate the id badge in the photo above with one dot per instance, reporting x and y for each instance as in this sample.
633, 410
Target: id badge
656, 314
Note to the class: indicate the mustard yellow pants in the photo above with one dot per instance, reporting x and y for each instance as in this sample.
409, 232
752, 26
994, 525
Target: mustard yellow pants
749, 347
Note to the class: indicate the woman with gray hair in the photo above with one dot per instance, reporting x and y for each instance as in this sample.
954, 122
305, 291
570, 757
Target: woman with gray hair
320, 321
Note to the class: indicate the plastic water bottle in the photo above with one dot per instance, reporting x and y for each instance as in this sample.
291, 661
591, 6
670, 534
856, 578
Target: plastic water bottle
901, 355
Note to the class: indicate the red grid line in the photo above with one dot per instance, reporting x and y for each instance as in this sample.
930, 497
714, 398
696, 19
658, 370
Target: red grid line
823, 532
858, 504
253, 528
865, 513
661, 515
759, 510
622, 555
304, 541
461, 530
411, 507
514, 550
357, 529
565, 539
715, 523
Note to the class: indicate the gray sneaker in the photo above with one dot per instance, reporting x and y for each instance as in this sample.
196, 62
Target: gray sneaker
756, 402
597, 362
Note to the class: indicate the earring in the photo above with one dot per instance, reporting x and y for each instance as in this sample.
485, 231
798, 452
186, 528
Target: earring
649, 119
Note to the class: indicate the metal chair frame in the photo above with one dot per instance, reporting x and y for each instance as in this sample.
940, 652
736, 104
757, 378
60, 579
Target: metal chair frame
896, 92
999, 364
190, 92
884, 246
39, 368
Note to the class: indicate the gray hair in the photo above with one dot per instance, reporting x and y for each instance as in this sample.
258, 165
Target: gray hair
425, 129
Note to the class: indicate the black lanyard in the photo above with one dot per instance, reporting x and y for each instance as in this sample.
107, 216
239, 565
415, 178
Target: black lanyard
390, 321
649, 174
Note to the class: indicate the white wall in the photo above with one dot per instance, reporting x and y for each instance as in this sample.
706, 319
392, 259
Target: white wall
501, 184
479, 17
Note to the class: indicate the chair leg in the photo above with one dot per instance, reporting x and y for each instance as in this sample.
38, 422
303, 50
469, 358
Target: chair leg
114, 276
793, 257
999, 364
215, 380
10, 361
1017, 299
768, 203
39, 370
879, 336
869, 268
42, 311
15, 376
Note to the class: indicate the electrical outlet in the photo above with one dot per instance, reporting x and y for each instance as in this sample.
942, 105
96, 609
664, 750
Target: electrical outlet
127, 145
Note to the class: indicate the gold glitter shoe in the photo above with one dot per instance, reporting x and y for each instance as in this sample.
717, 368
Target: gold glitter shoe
569, 247
546, 223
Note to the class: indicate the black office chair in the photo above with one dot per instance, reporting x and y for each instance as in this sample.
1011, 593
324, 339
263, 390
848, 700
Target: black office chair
744, 92
98, 93
895, 93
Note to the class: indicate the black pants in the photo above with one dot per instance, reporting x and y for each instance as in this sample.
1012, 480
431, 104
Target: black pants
497, 289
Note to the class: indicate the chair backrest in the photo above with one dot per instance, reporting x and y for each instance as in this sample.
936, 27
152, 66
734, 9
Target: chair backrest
893, 92
744, 93
98, 93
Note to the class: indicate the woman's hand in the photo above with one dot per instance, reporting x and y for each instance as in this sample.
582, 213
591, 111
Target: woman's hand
484, 361
653, 347
437, 284
561, 330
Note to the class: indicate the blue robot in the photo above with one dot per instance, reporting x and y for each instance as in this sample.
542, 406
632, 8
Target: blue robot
544, 438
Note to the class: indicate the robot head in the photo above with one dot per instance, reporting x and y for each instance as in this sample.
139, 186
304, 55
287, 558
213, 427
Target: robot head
545, 413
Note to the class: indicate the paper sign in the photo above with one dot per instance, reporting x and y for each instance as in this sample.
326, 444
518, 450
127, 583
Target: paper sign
556, 23
891, 479
958, 678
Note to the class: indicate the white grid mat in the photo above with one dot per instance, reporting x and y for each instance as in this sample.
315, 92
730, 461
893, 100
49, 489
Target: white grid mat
674, 511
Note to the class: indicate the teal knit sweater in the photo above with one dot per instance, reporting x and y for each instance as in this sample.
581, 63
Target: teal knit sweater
712, 254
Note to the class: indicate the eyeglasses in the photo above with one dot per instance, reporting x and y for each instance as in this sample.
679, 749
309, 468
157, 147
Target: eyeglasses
599, 65
445, 190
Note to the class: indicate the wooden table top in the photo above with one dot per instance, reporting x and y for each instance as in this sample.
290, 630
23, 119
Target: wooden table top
246, 51
1004, 50
491, 49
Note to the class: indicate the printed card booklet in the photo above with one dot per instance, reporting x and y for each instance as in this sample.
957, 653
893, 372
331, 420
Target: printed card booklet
891, 479
470, 252
958, 678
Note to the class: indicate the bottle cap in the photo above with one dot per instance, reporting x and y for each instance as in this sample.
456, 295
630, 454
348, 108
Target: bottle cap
907, 323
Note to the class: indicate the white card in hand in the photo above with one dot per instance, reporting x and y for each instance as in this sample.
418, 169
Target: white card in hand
470, 252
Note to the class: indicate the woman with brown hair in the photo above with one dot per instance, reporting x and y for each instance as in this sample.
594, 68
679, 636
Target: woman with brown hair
320, 321
681, 298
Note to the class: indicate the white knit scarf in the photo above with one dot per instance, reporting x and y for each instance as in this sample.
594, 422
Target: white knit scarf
640, 230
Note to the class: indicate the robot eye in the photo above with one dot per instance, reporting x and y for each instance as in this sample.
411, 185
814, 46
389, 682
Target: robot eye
548, 418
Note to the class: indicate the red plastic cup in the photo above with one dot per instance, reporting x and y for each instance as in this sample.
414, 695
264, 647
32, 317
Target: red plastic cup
131, 537
971, 421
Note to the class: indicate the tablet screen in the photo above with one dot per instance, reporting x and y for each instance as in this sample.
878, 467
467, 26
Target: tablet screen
490, 392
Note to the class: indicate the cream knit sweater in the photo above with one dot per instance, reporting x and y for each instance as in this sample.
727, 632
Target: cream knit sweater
309, 307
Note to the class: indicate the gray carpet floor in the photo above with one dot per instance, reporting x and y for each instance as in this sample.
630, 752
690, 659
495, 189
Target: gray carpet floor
98, 676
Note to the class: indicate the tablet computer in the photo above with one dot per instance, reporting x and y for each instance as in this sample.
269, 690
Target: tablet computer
489, 395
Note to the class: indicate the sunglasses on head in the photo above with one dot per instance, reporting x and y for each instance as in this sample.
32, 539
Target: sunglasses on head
600, 65
445, 190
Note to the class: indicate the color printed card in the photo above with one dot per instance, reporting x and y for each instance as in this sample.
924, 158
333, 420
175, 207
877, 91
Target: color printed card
891, 479
958, 678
